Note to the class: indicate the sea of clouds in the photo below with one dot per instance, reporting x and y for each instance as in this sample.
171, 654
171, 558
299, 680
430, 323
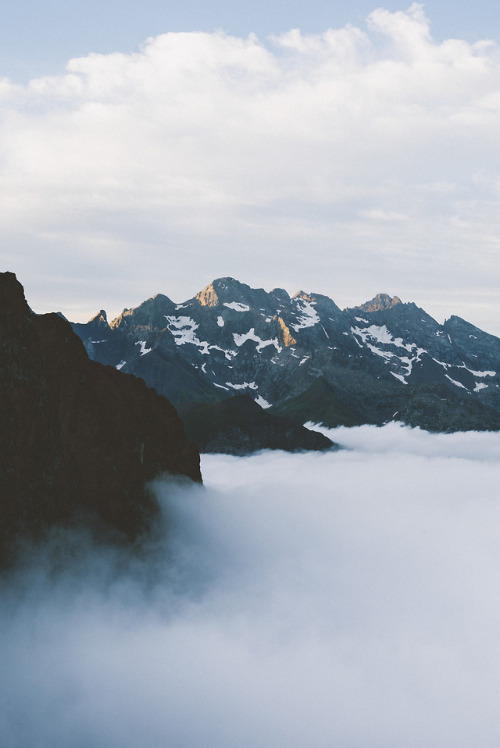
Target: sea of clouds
343, 599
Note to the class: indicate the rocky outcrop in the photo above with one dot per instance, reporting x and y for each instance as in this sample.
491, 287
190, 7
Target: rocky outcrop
78, 439
379, 302
287, 336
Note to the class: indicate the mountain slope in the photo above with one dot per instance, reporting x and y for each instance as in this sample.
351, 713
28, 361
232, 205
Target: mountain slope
239, 426
381, 358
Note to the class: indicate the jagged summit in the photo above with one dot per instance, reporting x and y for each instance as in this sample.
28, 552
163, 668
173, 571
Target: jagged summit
230, 291
233, 339
220, 290
101, 318
223, 290
316, 298
281, 294
12, 294
379, 303
150, 314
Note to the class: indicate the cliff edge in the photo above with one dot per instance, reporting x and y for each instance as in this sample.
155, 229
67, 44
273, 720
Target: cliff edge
76, 438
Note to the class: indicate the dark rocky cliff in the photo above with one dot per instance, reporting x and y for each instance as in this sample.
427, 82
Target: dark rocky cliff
76, 438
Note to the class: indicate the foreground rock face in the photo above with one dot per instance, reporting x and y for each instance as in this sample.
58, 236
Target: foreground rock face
76, 437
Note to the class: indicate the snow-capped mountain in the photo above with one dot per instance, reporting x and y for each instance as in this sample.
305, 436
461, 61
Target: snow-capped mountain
306, 358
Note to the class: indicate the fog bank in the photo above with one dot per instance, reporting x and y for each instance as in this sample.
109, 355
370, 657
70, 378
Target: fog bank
346, 599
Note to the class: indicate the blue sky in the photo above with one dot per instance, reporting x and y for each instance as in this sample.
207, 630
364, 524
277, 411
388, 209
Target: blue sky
38, 38
151, 148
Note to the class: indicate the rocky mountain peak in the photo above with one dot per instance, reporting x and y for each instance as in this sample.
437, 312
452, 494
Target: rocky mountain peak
281, 295
303, 295
150, 314
208, 296
379, 302
223, 290
12, 300
100, 319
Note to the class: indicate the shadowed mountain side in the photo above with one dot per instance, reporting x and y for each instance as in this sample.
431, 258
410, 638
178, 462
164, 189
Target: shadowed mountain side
175, 379
76, 437
240, 426
431, 407
320, 403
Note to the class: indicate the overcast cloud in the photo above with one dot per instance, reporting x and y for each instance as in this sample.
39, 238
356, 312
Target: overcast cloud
345, 599
359, 160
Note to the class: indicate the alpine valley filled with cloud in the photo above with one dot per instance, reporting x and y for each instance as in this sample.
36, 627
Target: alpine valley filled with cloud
340, 598
259, 505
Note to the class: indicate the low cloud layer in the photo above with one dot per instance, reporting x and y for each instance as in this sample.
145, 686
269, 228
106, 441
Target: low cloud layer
322, 599
359, 160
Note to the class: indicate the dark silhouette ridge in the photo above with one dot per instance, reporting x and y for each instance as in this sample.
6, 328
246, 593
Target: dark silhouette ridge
76, 437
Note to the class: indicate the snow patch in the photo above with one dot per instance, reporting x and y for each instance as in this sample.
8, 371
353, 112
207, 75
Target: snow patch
401, 379
454, 381
308, 316
229, 354
243, 386
441, 363
144, 350
250, 335
120, 365
380, 334
480, 386
184, 331
263, 403
374, 334
220, 321
236, 306
383, 354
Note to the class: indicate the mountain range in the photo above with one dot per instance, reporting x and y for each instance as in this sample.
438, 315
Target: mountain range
301, 358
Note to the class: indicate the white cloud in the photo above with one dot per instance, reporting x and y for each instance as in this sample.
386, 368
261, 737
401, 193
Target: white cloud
323, 599
222, 153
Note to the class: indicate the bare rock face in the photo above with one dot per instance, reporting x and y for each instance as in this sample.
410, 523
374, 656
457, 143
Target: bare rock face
379, 303
76, 438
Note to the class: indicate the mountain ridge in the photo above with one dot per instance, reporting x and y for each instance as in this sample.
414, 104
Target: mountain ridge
78, 439
232, 339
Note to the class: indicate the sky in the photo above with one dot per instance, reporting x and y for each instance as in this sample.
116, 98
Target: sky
344, 149
346, 598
